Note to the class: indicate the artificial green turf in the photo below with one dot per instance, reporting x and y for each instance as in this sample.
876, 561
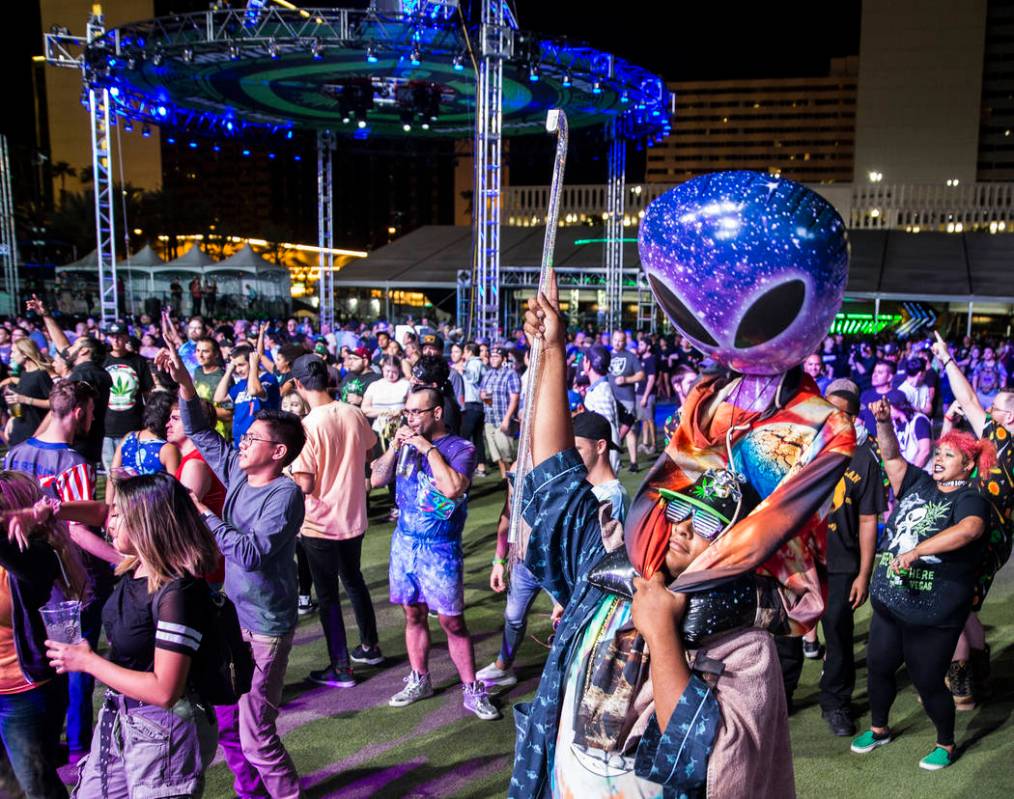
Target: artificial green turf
349, 739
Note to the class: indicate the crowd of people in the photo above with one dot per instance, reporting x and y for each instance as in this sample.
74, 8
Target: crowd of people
240, 458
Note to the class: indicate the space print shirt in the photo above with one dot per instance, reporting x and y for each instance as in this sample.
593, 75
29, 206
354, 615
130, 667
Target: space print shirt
937, 590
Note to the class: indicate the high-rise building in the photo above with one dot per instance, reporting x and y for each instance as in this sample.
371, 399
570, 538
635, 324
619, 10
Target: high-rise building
996, 129
800, 128
920, 83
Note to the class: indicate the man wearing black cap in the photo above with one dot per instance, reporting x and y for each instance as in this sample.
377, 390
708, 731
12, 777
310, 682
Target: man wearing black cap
132, 381
501, 392
433, 345
858, 501
599, 397
919, 392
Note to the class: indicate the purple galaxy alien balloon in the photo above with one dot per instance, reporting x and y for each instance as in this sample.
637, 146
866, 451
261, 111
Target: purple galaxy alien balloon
749, 267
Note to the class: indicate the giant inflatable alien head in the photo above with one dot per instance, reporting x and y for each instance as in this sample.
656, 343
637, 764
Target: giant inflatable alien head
749, 267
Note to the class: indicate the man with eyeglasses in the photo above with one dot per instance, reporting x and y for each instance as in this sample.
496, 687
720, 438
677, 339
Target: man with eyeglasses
969, 670
434, 472
256, 533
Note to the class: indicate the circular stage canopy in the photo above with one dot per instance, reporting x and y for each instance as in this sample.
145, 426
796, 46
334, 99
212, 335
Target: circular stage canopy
361, 73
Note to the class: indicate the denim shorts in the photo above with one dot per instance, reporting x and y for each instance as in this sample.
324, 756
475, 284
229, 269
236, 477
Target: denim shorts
143, 751
425, 571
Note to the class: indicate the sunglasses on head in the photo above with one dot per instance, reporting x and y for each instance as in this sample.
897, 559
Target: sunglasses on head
706, 523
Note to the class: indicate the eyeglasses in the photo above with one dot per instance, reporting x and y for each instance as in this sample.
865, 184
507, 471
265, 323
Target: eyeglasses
706, 525
413, 412
247, 438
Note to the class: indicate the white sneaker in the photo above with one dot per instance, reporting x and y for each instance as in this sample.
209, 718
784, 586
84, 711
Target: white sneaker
477, 702
492, 675
417, 686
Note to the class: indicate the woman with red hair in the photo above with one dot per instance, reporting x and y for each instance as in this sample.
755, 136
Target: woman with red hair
923, 579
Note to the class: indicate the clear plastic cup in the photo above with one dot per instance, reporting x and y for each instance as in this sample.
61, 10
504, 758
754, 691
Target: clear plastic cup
63, 621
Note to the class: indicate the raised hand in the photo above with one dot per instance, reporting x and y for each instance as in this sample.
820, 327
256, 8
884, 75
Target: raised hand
37, 305
542, 319
939, 347
881, 410
169, 332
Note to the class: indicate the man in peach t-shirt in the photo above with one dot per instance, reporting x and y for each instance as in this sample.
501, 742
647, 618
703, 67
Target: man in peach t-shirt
331, 470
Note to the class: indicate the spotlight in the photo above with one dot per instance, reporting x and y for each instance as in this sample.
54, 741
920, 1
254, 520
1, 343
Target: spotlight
273, 49
596, 88
229, 125
425, 126
457, 63
156, 59
371, 56
171, 139
406, 121
405, 126
246, 153
162, 111
146, 131
317, 50
566, 80
188, 55
297, 158
361, 124
234, 52
271, 156
533, 73
128, 126
192, 145
624, 98
288, 134
114, 91
111, 61
131, 63
415, 57
216, 147
345, 119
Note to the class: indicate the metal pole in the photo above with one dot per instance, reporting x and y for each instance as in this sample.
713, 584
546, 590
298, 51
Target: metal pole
8, 234
876, 314
556, 122
325, 226
496, 44
616, 189
968, 326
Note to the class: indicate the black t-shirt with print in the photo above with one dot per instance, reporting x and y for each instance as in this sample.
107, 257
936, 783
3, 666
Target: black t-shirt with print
130, 623
937, 591
36, 384
131, 380
860, 492
649, 365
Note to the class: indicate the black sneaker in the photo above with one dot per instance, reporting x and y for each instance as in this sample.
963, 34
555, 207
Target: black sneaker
336, 678
371, 656
813, 650
633, 468
840, 722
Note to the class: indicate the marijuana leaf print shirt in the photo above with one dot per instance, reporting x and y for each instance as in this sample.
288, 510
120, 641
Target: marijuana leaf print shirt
937, 590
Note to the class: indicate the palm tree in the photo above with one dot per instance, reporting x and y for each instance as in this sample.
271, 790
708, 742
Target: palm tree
63, 170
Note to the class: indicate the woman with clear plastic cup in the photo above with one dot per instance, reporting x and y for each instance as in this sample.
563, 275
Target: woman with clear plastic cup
36, 554
155, 735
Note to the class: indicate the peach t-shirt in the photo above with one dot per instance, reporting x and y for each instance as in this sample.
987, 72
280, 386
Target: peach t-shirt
338, 442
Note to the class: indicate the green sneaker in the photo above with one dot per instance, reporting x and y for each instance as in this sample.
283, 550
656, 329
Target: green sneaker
937, 759
868, 741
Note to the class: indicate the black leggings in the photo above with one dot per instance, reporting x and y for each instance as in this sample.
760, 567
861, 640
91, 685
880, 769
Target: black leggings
926, 653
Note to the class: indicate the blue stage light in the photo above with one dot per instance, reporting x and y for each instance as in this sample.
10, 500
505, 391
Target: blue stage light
216, 148
297, 158
271, 156
596, 88
415, 57
111, 61
146, 131
171, 140
162, 111
624, 98
533, 73
114, 91
192, 145
128, 126
371, 57
246, 152
566, 80
288, 134
458, 63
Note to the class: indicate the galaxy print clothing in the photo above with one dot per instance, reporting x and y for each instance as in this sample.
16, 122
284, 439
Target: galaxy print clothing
566, 542
792, 456
998, 487
428, 572
937, 590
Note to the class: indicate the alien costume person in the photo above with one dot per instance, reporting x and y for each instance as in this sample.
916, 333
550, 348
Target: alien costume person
752, 269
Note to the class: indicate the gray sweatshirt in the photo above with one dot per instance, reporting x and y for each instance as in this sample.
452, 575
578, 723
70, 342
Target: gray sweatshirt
257, 535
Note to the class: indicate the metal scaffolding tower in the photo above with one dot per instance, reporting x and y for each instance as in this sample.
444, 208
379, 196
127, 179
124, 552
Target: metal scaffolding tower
65, 50
615, 195
497, 44
8, 236
647, 310
325, 225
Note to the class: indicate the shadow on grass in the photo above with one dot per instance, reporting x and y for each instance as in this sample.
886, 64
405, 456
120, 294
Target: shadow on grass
996, 711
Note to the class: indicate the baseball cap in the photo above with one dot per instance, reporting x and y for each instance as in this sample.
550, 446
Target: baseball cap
595, 426
308, 366
115, 329
433, 340
599, 358
361, 352
914, 366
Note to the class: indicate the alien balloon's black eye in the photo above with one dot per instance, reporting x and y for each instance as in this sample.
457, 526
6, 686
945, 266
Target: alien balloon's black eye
771, 314
680, 314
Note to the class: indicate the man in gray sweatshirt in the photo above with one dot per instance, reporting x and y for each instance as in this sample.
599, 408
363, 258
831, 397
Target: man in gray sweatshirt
262, 515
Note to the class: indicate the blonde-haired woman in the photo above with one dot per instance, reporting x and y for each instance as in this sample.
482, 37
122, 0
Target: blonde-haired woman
155, 736
35, 555
27, 393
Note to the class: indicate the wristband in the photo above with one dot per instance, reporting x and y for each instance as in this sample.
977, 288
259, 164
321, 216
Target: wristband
948, 362
427, 453
499, 561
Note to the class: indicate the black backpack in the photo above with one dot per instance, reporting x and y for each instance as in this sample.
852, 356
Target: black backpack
223, 669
